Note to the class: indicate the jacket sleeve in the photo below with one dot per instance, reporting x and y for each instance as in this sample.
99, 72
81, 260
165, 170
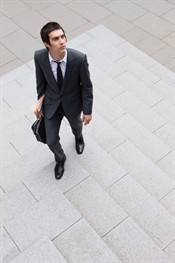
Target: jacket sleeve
86, 87
40, 79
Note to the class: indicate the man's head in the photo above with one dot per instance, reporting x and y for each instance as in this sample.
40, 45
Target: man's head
54, 39
47, 29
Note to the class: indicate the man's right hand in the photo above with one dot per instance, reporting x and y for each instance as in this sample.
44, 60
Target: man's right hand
37, 107
37, 112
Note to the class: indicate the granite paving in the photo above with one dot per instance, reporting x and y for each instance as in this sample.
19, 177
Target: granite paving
115, 202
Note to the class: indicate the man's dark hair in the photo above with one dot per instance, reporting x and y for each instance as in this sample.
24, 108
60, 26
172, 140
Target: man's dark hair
47, 29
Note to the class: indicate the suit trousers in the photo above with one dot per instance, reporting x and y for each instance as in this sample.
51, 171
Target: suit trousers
52, 127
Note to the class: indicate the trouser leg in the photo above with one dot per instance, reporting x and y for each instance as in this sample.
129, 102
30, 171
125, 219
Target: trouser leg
52, 127
58, 152
76, 125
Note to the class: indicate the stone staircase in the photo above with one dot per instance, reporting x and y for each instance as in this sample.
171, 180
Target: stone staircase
115, 203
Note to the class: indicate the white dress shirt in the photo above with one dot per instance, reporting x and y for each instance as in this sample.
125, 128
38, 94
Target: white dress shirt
62, 65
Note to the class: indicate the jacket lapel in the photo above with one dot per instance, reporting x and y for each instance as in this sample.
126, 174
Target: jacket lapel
49, 71
69, 67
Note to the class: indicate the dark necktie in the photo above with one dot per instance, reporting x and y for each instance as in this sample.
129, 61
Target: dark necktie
59, 75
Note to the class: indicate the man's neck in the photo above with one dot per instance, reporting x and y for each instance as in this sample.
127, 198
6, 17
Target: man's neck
56, 56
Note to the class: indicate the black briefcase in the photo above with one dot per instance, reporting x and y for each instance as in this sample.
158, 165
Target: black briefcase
38, 129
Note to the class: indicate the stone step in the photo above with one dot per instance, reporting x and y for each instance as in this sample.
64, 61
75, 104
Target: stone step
142, 113
165, 90
107, 108
78, 41
8, 248
143, 170
96, 206
22, 85
168, 202
43, 250
102, 31
170, 250
25, 166
166, 134
137, 55
139, 89
15, 202
141, 73
101, 50
105, 83
131, 104
139, 111
44, 183
141, 137
109, 68
51, 216
104, 215
132, 244
80, 243
36, 184
137, 62
163, 73
38, 177
14, 74
106, 136
131, 197
165, 110
42, 187
99, 164
20, 135
167, 164
10, 151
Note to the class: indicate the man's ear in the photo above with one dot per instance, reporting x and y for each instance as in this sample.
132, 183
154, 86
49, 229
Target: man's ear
46, 45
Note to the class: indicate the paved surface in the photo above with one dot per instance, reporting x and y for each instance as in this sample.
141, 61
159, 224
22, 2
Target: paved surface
149, 25
115, 203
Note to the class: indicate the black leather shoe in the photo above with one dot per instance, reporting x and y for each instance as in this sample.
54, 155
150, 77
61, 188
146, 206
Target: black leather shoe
59, 169
79, 145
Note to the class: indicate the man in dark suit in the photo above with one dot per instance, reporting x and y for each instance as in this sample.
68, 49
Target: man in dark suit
64, 89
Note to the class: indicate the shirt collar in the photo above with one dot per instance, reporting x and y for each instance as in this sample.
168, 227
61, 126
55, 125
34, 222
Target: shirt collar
53, 60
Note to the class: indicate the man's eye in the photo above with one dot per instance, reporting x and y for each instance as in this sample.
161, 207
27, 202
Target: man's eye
63, 36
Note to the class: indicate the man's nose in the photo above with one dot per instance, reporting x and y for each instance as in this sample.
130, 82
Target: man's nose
61, 40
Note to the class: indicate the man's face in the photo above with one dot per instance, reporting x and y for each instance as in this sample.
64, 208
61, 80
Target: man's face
57, 41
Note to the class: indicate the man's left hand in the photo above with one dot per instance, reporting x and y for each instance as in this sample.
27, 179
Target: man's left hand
86, 119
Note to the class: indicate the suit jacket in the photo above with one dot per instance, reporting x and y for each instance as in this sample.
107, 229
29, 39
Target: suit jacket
76, 93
